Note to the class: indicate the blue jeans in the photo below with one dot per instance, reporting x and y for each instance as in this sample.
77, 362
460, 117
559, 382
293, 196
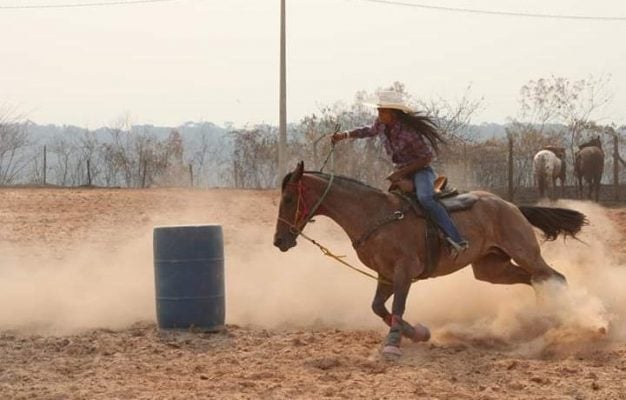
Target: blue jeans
424, 180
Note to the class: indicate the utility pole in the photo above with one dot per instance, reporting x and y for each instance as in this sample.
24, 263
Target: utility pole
282, 122
616, 163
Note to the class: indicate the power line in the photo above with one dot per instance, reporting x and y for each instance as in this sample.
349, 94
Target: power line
76, 5
498, 13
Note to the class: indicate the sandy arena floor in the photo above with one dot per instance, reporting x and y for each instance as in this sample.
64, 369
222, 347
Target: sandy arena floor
77, 311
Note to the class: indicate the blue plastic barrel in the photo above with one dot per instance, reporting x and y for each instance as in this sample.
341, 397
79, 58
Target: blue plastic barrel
189, 277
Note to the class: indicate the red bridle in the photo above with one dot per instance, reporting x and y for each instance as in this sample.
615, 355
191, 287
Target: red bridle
304, 213
301, 216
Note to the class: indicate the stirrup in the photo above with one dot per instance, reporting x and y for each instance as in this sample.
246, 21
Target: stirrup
458, 247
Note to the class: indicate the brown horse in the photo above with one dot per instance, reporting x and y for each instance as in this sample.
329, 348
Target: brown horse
390, 239
589, 164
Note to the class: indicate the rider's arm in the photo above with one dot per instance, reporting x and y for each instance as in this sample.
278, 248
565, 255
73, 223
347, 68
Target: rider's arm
367, 131
410, 168
358, 133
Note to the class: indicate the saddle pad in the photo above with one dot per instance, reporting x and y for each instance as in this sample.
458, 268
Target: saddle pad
458, 203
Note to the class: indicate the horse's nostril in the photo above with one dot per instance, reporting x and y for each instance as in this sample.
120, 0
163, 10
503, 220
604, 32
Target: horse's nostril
277, 242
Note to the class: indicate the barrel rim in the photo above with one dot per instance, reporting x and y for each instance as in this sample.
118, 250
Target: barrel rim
188, 226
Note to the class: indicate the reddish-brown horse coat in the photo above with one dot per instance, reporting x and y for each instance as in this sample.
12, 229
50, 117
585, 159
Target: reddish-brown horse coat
503, 246
589, 165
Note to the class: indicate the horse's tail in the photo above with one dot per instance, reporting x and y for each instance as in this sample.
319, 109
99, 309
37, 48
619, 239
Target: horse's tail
555, 221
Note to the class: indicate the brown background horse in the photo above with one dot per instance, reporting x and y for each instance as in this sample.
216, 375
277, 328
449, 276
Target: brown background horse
503, 247
589, 165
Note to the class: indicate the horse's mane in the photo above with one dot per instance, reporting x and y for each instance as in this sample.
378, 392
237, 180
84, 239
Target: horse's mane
345, 179
595, 142
326, 176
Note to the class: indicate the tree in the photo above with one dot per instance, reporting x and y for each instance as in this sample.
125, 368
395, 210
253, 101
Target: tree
14, 142
453, 119
210, 158
574, 103
255, 157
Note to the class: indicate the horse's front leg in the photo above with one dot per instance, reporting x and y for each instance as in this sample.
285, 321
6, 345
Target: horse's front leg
401, 286
384, 290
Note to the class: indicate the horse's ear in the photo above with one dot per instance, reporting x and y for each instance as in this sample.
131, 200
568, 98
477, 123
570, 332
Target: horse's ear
297, 173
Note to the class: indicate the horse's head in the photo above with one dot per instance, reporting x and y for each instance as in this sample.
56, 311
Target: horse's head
292, 210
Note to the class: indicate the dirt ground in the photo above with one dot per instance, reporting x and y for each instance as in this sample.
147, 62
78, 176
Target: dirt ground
77, 311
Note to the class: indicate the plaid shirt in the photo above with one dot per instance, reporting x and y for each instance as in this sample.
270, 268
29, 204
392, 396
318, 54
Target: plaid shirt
401, 142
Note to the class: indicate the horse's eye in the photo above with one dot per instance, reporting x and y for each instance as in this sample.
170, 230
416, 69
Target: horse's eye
288, 200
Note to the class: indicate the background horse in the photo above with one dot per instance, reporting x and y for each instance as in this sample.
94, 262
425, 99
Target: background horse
548, 166
589, 164
390, 239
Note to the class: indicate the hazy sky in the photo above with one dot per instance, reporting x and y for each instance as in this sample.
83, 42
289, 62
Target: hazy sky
208, 60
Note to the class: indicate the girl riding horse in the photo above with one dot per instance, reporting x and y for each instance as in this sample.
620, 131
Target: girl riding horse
411, 140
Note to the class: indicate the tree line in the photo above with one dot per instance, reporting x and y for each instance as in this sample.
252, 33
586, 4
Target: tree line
554, 110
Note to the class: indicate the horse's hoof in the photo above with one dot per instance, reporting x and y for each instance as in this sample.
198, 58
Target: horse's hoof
391, 352
422, 333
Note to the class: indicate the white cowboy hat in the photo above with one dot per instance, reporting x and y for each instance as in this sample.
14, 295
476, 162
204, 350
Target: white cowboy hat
390, 99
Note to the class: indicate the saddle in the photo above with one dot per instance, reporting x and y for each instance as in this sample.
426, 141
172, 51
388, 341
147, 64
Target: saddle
406, 185
448, 197
402, 180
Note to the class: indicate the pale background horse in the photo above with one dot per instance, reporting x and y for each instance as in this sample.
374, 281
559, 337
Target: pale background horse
589, 165
548, 166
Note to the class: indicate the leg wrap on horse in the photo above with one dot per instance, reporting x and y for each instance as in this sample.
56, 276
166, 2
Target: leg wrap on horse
394, 337
417, 333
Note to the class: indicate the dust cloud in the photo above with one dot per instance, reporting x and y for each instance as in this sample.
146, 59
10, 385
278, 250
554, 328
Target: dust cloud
303, 288
100, 287
553, 320
91, 288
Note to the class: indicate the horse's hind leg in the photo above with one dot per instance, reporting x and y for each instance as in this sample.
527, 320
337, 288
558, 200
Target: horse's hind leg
531, 261
579, 187
522, 246
498, 268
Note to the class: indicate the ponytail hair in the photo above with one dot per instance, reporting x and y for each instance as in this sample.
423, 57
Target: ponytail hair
423, 125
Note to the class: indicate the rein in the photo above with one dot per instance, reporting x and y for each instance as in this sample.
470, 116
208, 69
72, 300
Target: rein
328, 253
299, 223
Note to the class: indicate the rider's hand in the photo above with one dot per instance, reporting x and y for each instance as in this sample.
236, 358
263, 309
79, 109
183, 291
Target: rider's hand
394, 176
338, 136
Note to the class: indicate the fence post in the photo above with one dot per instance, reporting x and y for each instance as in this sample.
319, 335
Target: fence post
191, 175
143, 177
465, 166
44, 165
88, 172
